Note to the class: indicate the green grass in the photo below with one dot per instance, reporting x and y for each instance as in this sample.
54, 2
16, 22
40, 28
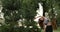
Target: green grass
58, 30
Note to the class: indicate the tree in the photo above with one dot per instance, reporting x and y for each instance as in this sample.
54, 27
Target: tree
29, 8
18, 9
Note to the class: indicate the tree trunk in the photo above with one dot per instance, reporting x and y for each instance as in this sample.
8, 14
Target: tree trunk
44, 8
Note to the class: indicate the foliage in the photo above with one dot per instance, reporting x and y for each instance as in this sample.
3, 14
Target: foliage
7, 28
11, 4
16, 9
19, 9
29, 7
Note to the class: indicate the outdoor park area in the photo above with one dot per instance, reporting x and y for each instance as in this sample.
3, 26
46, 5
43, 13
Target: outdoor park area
29, 15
